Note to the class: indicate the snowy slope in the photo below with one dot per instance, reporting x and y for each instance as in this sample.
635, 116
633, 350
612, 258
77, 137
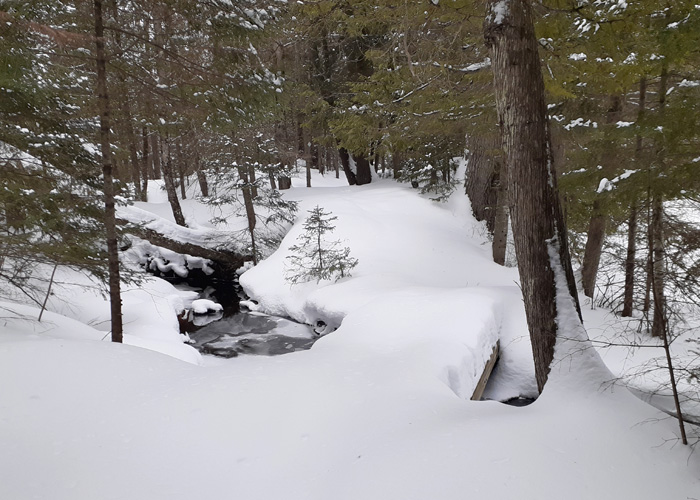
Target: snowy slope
377, 409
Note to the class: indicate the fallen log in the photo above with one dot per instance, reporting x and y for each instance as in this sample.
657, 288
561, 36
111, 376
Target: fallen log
224, 261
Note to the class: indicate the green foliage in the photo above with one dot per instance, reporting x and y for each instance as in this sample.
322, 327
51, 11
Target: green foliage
315, 258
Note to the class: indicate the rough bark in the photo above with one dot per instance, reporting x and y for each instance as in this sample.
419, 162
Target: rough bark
171, 189
594, 249
500, 225
105, 148
396, 165
364, 169
537, 219
345, 161
479, 182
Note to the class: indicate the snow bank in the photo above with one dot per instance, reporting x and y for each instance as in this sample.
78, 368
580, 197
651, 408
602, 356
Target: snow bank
378, 409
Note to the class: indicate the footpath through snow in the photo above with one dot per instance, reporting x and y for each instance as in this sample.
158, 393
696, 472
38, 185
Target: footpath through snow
378, 409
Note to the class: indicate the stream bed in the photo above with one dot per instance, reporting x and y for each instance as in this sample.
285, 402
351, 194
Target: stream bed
233, 331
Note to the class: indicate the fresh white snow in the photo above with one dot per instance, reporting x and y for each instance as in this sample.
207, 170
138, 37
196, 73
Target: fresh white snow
378, 409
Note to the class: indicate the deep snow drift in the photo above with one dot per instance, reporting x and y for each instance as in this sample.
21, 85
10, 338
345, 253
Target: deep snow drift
378, 409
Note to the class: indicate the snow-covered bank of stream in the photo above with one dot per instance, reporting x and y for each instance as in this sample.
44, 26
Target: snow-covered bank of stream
378, 409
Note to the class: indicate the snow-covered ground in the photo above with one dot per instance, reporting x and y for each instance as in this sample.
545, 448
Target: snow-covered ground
378, 409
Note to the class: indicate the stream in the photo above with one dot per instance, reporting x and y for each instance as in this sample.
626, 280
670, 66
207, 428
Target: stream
236, 331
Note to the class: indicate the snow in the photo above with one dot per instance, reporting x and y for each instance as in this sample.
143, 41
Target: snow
203, 306
500, 11
377, 409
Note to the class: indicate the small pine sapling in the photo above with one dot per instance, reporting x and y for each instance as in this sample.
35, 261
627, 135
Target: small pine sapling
315, 258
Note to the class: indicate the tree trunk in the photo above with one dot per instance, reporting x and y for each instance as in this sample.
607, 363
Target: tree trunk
284, 182
500, 226
628, 301
594, 249
396, 165
650, 257
537, 219
599, 216
133, 154
630, 261
181, 170
171, 189
155, 156
249, 209
345, 161
105, 147
479, 182
659, 267
201, 177
307, 158
364, 170
145, 162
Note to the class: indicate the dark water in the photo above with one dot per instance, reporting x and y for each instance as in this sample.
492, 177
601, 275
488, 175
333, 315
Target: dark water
233, 332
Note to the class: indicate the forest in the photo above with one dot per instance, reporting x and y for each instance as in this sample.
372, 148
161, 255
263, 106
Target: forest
198, 140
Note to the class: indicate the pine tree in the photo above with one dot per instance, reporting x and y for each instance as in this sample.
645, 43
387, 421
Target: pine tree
315, 258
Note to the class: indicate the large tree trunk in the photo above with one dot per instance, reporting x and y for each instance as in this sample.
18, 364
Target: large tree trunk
537, 219
105, 147
364, 170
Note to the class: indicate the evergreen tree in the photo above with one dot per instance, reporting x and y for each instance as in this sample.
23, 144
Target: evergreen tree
315, 258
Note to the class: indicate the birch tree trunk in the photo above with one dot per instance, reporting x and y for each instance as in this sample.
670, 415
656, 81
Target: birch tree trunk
537, 219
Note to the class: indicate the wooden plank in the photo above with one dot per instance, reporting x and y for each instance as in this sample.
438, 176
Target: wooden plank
481, 385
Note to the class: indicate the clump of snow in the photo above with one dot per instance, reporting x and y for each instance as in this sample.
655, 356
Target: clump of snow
204, 306
499, 11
